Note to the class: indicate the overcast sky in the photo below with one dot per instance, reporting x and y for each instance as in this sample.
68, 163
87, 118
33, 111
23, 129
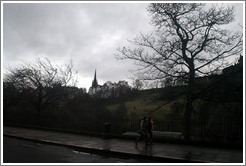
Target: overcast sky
86, 33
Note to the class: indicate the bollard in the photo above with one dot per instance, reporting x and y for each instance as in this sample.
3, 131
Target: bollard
106, 130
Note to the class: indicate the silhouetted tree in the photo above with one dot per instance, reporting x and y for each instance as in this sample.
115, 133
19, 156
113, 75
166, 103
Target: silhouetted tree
137, 84
189, 41
39, 83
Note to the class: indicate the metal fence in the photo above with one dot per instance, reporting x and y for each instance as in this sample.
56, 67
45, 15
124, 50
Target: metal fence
168, 123
220, 130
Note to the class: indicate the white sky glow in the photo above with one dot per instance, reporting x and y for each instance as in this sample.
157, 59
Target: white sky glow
86, 33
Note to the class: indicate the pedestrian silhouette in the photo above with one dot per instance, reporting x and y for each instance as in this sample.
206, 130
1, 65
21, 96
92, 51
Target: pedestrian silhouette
142, 131
150, 127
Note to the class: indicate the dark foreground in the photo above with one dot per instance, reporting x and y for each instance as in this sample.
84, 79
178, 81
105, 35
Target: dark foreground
71, 148
23, 151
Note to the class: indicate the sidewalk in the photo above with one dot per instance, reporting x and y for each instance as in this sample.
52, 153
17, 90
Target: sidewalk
165, 153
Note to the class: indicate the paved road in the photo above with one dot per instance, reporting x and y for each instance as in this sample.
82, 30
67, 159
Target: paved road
23, 151
159, 152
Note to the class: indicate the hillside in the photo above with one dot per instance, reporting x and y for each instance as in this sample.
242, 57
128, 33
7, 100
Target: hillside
217, 97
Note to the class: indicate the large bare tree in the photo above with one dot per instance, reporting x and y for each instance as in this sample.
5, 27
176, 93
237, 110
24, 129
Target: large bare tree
190, 40
39, 82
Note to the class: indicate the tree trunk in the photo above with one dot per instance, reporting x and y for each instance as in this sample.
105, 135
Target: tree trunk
189, 108
187, 119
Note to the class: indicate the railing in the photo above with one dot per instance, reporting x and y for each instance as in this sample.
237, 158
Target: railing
221, 130
172, 124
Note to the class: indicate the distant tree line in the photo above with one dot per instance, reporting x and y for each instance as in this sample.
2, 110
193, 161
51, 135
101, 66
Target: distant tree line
37, 87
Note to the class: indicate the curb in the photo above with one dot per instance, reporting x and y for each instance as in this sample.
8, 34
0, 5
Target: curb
111, 153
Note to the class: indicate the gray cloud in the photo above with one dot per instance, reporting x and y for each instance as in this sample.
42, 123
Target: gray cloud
87, 33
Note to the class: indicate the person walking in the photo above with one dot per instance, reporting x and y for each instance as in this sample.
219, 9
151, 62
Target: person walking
150, 127
142, 131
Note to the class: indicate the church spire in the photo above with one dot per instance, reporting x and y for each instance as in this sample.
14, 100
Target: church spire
94, 82
95, 75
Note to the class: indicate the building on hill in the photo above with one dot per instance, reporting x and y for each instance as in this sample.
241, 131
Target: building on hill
95, 87
108, 89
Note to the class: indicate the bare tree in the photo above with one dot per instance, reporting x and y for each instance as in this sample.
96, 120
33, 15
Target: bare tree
189, 41
39, 82
137, 84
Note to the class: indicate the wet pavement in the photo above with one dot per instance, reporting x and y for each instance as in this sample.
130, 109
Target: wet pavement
163, 152
24, 151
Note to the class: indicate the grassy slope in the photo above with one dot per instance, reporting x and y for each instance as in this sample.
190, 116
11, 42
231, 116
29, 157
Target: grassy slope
149, 102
